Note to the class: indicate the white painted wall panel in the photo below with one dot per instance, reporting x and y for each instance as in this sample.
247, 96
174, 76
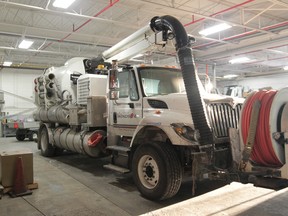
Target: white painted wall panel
20, 83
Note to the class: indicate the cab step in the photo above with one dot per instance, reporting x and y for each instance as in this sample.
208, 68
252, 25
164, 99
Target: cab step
116, 168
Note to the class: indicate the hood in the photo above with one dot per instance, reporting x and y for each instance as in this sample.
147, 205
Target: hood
179, 101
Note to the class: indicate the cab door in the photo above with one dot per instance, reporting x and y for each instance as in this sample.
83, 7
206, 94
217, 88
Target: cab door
127, 110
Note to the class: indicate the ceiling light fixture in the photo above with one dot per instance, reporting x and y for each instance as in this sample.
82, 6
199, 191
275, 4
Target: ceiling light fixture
214, 29
25, 44
239, 60
285, 67
63, 4
230, 76
138, 56
7, 63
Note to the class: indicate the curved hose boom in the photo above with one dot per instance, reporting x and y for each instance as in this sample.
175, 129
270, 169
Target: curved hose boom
184, 52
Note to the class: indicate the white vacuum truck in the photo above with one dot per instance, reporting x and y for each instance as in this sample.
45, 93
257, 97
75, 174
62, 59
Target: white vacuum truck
155, 122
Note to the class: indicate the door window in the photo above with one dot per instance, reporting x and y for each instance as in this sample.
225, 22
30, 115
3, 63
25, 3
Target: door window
128, 87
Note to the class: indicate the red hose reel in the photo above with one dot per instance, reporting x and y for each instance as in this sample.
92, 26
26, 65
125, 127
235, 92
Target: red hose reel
266, 150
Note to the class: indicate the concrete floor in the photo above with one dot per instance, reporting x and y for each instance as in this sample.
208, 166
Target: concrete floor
74, 184
77, 185
234, 199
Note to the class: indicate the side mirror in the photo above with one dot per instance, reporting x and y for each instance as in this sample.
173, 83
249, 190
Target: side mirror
113, 79
114, 94
113, 82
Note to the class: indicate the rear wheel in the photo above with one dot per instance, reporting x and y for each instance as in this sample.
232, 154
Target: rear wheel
47, 149
20, 135
157, 171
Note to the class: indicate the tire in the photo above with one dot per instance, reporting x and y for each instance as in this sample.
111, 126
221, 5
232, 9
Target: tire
33, 136
20, 136
47, 149
30, 137
157, 171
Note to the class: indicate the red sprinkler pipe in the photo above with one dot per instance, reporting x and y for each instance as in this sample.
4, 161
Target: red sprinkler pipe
219, 12
263, 152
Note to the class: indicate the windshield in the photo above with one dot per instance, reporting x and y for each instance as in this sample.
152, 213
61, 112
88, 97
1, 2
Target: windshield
161, 81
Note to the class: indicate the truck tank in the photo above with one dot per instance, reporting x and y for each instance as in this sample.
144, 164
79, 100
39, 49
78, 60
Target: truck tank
71, 106
56, 89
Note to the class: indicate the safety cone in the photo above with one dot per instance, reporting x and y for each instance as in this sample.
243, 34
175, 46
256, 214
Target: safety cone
19, 185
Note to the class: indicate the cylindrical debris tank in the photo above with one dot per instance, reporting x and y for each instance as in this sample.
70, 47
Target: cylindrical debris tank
88, 143
55, 114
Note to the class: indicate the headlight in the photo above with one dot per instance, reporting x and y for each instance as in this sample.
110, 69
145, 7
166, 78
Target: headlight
185, 131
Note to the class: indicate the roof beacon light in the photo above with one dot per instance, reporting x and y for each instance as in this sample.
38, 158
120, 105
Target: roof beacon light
25, 44
63, 4
215, 29
7, 63
239, 60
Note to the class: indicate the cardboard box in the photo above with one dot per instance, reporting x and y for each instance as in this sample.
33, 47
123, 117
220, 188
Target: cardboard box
8, 161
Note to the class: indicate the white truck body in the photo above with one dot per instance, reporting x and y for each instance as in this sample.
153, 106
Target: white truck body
144, 113
156, 122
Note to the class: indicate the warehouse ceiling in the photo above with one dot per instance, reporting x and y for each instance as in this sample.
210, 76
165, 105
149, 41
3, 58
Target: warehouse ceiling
88, 27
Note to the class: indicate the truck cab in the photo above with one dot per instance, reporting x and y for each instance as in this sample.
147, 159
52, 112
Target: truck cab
150, 126
139, 90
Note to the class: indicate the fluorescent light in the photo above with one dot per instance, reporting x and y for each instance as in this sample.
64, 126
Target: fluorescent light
134, 58
285, 68
62, 3
25, 44
214, 29
239, 60
7, 63
137, 56
229, 76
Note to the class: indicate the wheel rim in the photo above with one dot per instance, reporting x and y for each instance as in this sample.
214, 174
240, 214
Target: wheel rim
44, 141
148, 171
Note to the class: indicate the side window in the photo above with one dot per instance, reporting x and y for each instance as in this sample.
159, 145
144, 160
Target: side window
133, 87
124, 84
128, 87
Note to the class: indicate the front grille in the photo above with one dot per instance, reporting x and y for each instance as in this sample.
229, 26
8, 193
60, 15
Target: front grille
223, 116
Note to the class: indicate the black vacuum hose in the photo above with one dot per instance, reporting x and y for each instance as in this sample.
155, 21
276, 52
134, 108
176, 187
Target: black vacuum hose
184, 52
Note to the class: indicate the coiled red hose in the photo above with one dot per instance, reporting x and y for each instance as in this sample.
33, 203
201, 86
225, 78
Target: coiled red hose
263, 152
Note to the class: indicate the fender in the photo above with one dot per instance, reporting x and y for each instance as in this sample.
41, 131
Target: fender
159, 122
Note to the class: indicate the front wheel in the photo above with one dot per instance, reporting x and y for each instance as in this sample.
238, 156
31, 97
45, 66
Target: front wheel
157, 171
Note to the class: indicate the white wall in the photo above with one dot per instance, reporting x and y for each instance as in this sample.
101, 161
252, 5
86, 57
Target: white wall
21, 83
278, 81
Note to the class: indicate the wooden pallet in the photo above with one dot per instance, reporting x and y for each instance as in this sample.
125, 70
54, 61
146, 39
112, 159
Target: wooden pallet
4, 190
